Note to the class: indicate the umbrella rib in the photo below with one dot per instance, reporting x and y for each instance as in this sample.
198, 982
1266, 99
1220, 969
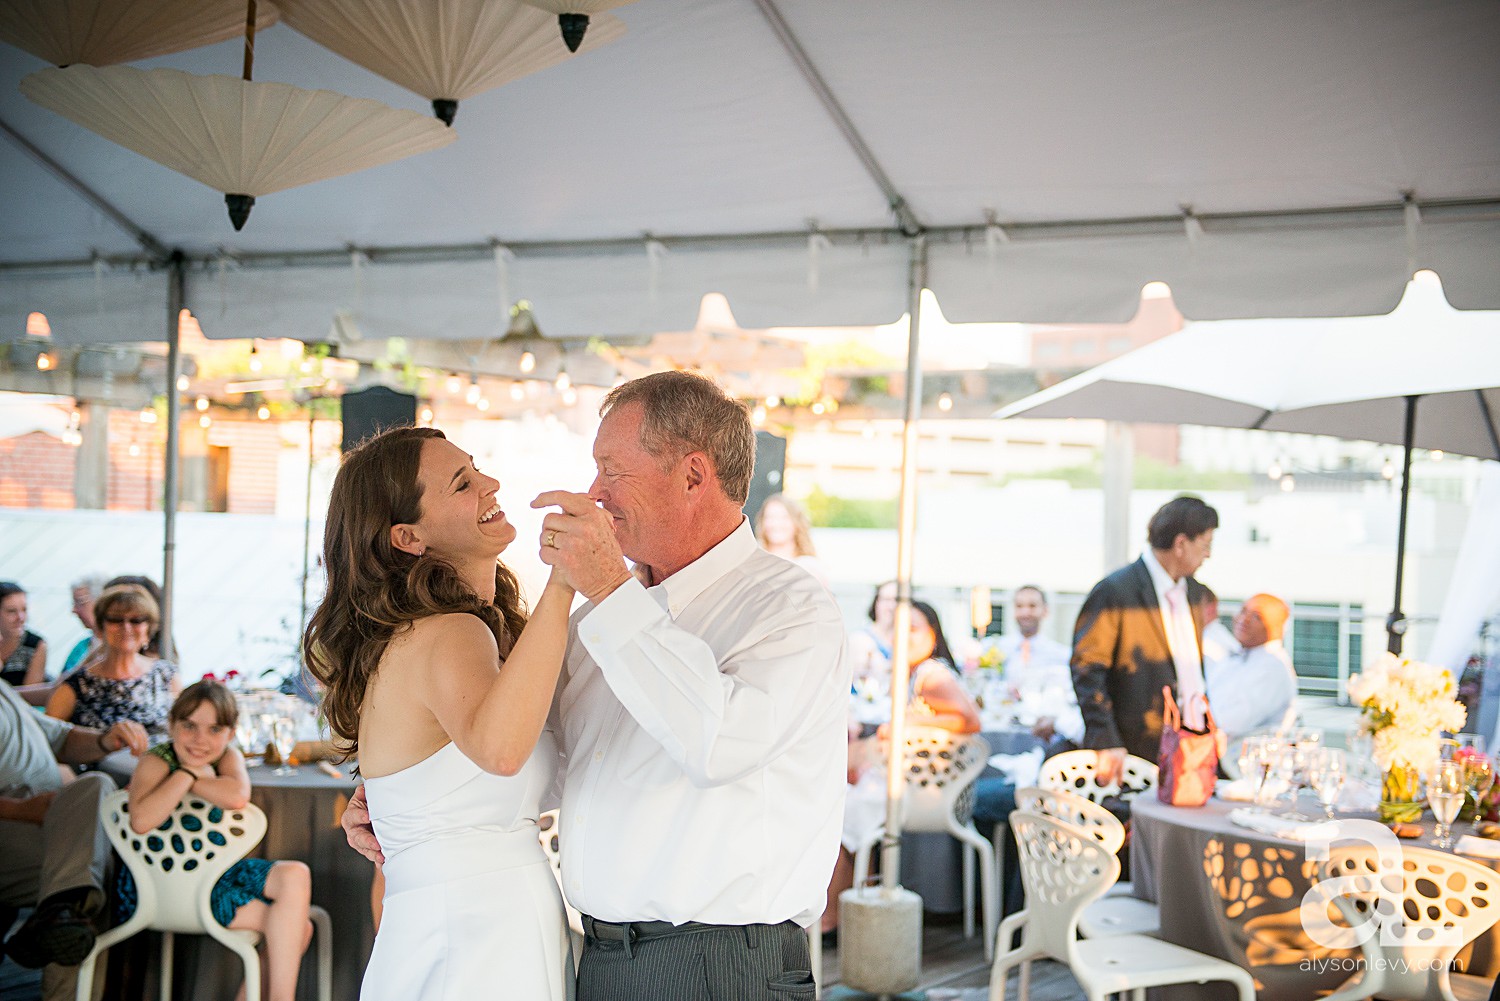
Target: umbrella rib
1489, 421
1265, 415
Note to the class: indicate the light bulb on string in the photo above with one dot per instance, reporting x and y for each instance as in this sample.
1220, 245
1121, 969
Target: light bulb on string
569, 396
945, 402
1436, 455
818, 407
205, 421
1275, 471
474, 393
1388, 469
201, 403
183, 383
255, 365
527, 362
562, 382
454, 384
135, 450
773, 401
482, 404
263, 412
148, 416
758, 415
44, 361
1288, 483
426, 415
517, 392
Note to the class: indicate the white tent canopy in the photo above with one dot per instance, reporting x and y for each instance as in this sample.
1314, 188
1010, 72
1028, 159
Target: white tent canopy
1255, 157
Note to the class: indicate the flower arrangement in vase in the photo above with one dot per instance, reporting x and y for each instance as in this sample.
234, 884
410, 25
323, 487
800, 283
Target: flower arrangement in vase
1406, 706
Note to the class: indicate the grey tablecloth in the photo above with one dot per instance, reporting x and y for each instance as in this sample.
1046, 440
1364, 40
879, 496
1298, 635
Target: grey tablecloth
1233, 893
302, 812
932, 864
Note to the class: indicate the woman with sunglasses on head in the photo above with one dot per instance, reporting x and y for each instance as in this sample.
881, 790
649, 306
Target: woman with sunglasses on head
121, 682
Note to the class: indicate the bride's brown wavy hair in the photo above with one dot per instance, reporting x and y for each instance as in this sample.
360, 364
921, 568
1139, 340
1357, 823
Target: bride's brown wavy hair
375, 589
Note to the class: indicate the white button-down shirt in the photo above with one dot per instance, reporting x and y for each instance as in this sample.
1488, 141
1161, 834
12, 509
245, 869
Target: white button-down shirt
705, 738
1182, 638
1252, 690
1039, 668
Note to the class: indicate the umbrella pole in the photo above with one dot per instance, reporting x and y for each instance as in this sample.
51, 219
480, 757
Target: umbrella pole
1395, 623
890, 845
176, 295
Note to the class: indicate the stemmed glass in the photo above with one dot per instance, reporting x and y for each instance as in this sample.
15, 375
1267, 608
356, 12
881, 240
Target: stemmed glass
1445, 794
1326, 772
1257, 757
1479, 773
284, 736
248, 732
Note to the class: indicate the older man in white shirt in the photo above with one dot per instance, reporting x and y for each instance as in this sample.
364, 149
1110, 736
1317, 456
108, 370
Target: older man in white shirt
1255, 688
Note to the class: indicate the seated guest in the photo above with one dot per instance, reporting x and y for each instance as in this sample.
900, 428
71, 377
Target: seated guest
255, 895
23, 654
86, 591
122, 682
1218, 641
783, 527
53, 850
870, 646
1036, 666
1254, 689
154, 646
936, 698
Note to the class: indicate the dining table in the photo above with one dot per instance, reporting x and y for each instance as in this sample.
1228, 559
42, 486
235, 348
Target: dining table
1234, 893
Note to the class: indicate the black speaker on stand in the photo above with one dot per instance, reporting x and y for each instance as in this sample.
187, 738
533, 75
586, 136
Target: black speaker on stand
371, 411
770, 466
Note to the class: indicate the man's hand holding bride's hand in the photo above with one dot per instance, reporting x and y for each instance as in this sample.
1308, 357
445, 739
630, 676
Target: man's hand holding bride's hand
579, 540
358, 829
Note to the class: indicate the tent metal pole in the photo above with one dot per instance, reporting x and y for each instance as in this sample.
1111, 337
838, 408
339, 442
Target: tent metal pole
1395, 623
176, 296
890, 844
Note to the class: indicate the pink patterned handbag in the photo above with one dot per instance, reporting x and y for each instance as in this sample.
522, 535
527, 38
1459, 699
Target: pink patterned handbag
1188, 764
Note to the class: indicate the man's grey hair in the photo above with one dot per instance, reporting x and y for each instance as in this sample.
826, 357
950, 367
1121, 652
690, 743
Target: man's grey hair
94, 582
686, 412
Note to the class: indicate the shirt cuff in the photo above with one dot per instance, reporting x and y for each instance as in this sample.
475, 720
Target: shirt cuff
626, 611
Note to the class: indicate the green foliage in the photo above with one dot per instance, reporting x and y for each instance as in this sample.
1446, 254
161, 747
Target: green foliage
1150, 474
828, 511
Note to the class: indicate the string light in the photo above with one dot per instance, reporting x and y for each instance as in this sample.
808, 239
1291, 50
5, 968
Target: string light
263, 412
528, 362
1275, 471
426, 415
945, 402
44, 361
455, 385
1388, 469
135, 450
562, 382
758, 415
483, 404
474, 394
773, 401
148, 416
569, 396
517, 392
255, 365
818, 407
201, 403
182, 383
205, 421
1437, 455
1288, 483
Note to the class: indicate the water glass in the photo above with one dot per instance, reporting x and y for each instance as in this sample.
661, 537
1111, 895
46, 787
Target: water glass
1327, 773
1479, 778
1445, 794
284, 736
1258, 756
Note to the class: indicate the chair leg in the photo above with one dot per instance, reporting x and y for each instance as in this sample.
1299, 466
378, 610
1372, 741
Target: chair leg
989, 899
166, 967
1025, 985
323, 932
85, 988
969, 851
250, 958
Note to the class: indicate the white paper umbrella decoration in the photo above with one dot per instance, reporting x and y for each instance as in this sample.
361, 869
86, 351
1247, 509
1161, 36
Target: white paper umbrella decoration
445, 50
573, 15
104, 32
245, 139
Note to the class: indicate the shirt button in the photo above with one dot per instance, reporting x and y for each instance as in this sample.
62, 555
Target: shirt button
598, 755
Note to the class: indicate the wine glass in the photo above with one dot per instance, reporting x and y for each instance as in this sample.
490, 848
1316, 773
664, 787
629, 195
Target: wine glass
1326, 773
248, 732
284, 736
1257, 758
1479, 777
1445, 794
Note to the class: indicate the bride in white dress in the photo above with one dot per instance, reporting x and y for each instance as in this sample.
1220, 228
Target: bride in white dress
432, 680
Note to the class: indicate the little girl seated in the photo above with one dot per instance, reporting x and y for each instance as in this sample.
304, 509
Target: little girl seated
269, 897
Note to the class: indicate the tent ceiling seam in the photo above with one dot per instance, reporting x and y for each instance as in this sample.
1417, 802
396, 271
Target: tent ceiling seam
905, 217
150, 243
1434, 214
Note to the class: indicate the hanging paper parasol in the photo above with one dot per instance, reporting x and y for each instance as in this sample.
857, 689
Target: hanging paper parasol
445, 50
105, 32
573, 15
244, 139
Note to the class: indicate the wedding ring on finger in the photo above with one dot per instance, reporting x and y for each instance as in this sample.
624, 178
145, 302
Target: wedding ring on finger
551, 539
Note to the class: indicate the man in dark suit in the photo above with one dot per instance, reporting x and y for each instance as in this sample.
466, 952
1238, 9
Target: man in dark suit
1136, 633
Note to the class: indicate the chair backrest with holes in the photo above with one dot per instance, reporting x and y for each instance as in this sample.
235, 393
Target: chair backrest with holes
1103, 826
941, 769
176, 865
1074, 772
1064, 870
1424, 912
551, 838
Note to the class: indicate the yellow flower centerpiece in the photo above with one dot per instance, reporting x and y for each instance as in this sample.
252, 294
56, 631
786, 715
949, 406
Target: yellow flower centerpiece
1406, 707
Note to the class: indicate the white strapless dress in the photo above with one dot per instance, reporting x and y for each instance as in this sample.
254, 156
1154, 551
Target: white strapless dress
472, 909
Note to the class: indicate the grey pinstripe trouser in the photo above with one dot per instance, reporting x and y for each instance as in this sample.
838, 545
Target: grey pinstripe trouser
707, 963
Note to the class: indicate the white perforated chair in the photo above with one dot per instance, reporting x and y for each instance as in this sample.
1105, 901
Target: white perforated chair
1065, 869
175, 867
1422, 915
1111, 914
941, 769
1077, 772
551, 838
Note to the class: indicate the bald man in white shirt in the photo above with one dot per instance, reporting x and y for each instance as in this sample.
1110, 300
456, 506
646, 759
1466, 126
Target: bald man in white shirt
702, 711
1255, 687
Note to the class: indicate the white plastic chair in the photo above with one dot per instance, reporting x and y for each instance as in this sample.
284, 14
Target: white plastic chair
941, 769
1065, 868
551, 839
175, 868
1111, 914
1077, 772
1432, 893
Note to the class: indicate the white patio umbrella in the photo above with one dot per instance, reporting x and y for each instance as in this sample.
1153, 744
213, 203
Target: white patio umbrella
243, 138
104, 32
1422, 376
445, 50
